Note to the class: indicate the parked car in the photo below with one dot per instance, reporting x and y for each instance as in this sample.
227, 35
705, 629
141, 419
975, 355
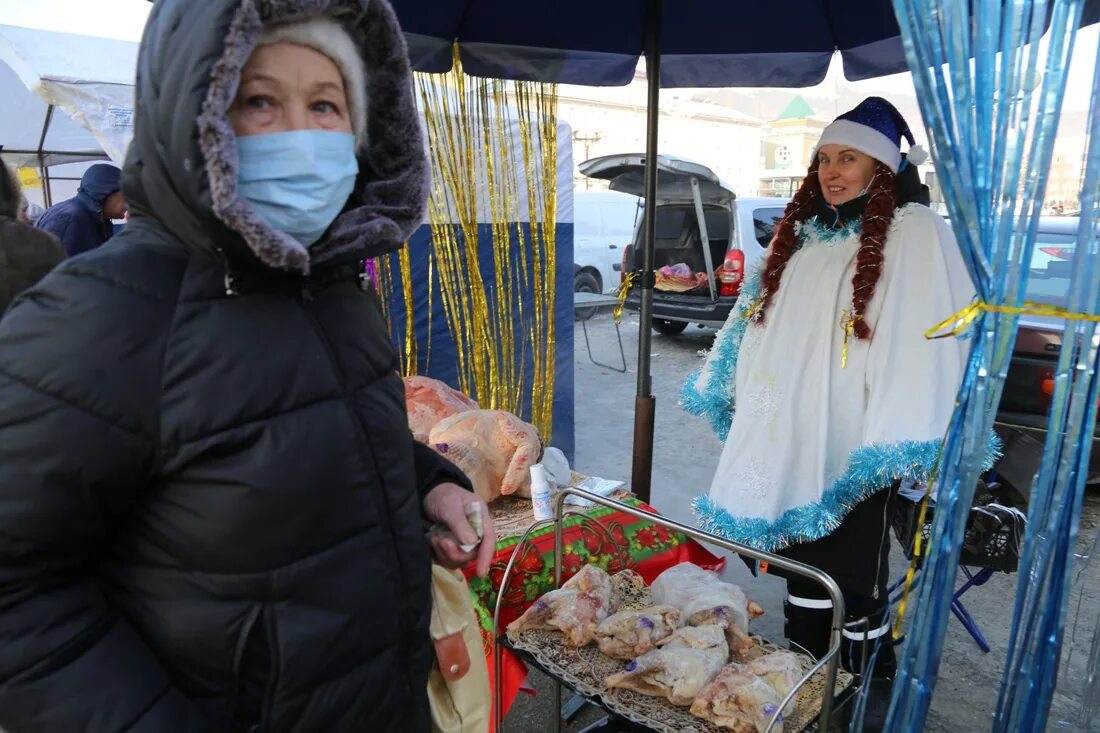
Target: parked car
1025, 403
603, 225
700, 224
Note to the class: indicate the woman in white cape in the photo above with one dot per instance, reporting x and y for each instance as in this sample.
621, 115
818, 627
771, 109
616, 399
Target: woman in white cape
838, 394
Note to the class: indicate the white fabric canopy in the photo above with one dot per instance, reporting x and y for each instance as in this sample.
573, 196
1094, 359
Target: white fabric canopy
67, 97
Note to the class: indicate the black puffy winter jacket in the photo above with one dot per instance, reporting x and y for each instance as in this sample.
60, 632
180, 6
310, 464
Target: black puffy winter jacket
210, 501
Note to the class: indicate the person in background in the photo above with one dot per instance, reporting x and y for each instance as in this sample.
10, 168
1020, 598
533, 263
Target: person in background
839, 396
84, 222
26, 254
212, 510
29, 212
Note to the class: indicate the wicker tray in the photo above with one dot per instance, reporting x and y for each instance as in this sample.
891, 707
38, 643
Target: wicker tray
585, 669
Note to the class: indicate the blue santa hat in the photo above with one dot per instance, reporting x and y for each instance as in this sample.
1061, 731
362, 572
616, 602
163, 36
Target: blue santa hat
874, 127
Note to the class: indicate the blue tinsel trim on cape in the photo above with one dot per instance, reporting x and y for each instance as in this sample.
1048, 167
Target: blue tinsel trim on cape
815, 230
714, 400
871, 468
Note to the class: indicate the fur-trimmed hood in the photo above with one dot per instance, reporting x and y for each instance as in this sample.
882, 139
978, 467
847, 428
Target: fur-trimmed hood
181, 168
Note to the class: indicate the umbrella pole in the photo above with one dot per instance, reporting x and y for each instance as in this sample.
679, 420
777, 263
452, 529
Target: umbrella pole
644, 403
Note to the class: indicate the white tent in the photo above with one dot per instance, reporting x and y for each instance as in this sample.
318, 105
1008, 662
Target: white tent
66, 97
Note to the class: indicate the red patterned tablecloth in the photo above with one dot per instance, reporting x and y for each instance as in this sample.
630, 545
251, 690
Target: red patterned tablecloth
601, 535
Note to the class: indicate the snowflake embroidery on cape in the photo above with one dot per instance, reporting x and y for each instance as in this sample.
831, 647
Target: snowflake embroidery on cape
751, 340
754, 480
765, 399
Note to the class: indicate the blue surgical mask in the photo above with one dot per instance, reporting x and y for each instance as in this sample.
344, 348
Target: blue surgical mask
297, 181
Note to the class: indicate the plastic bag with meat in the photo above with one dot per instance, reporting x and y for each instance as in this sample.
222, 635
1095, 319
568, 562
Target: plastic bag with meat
494, 448
782, 671
575, 609
628, 634
704, 599
428, 401
680, 668
739, 700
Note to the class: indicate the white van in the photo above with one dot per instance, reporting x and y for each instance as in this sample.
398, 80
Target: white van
603, 225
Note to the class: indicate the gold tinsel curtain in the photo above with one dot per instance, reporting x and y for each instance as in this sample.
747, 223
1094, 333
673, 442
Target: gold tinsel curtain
494, 158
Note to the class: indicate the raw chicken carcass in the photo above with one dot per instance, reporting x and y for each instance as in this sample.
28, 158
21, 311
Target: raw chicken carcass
680, 668
427, 401
739, 700
575, 609
494, 448
705, 600
782, 671
628, 634
591, 578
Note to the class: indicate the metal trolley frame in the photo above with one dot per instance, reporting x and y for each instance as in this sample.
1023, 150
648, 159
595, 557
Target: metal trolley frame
829, 661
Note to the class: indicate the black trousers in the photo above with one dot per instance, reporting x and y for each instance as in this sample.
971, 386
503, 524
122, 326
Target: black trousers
857, 556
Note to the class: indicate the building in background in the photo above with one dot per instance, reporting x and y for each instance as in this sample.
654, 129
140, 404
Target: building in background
1067, 172
612, 120
786, 146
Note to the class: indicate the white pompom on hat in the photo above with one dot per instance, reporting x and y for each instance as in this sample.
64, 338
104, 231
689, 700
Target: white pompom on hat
330, 38
874, 127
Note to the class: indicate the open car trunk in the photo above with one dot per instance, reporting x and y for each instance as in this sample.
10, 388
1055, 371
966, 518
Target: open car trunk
679, 259
694, 219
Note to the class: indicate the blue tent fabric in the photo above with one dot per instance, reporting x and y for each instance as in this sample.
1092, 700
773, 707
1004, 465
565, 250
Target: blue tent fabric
781, 43
704, 43
437, 354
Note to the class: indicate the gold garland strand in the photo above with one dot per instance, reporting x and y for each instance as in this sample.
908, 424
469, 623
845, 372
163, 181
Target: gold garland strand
958, 323
624, 292
482, 173
409, 355
848, 327
918, 550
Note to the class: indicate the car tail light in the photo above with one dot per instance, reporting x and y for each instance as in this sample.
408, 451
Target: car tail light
1062, 253
1046, 386
732, 272
628, 254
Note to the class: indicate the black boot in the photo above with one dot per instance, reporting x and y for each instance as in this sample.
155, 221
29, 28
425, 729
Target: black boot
877, 681
877, 705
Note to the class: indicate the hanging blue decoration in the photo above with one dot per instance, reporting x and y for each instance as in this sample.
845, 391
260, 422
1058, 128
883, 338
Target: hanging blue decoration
991, 130
1046, 564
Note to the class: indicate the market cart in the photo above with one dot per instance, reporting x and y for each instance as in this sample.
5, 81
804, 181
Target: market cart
596, 533
580, 671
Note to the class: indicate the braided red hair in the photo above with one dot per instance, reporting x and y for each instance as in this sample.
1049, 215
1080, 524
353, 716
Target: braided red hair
874, 227
783, 243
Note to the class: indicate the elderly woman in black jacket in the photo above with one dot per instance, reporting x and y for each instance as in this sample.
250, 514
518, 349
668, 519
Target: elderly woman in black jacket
211, 507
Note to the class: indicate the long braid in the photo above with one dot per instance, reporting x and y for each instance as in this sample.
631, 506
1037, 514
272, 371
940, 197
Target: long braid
877, 216
783, 242
875, 225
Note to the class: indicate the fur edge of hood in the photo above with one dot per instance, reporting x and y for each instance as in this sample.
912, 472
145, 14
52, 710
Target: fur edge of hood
391, 191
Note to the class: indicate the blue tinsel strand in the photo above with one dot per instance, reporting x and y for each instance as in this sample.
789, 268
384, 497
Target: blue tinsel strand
871, 468
714, 400
814, 232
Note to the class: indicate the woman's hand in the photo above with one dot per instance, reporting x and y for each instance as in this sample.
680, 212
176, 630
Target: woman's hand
446, 505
